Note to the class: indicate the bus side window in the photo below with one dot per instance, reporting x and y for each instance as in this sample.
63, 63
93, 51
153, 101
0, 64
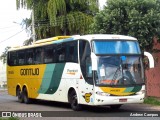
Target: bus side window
60, 53
48, 54
61, 57
21, 57
12, 58
71, 52
38, 56
54, 54
29, 56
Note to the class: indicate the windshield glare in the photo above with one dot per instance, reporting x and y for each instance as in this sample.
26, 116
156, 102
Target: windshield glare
119, 70
116, 47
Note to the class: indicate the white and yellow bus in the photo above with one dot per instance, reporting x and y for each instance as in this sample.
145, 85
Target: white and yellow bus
82, 70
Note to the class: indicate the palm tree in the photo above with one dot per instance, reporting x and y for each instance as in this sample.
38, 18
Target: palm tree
61, 17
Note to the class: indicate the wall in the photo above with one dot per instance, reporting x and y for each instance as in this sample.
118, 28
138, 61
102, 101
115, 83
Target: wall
153, 75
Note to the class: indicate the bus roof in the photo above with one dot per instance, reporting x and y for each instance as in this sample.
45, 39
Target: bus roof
107, 37
60, 39
57, 39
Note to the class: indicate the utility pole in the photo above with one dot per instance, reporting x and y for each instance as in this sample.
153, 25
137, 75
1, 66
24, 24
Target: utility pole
33, 27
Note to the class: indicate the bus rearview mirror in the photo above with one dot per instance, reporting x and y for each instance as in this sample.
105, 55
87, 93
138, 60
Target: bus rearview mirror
150, 58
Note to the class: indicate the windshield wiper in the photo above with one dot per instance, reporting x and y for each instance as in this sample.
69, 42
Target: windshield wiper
115, 75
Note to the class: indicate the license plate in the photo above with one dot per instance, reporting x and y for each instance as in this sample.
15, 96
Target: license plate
122, 100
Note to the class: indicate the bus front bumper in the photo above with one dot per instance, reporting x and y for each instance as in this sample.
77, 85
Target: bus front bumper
113, 100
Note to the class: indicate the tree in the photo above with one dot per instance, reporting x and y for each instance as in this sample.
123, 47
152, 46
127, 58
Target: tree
28, 42
27, 24
61, 17
138, 18
4, 55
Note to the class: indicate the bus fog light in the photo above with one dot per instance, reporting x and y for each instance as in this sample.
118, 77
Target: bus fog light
102, 93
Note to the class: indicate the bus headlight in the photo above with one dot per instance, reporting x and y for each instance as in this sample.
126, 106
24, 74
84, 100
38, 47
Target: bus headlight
102, 93
141, 92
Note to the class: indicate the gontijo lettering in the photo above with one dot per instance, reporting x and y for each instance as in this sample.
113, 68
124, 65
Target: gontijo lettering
29, 71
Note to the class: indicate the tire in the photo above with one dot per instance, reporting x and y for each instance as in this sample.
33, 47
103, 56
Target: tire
74, 101
19, 95
115, 107
25, 96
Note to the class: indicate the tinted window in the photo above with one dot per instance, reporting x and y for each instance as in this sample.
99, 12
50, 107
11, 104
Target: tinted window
60, 52
38, 56
12, 58
116, 47
48, 54
71, 52
55, 53
85, 60
29, 56
21, 58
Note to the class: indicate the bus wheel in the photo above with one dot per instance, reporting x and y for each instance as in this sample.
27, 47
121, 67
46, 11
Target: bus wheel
115, 107
25, 96
19, 95
74, 101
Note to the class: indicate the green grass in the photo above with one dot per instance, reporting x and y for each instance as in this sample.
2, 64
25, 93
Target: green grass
11, 118
151, 100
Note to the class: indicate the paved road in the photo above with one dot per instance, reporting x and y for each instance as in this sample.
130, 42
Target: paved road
10, 103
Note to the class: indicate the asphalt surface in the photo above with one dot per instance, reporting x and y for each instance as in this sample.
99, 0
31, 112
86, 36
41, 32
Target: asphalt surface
58, 110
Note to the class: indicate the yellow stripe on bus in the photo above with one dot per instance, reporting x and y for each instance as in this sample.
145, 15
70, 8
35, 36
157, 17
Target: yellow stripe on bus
115, 91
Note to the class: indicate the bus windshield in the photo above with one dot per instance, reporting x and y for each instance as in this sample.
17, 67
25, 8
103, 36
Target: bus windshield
119, 70
119, 62
116, 47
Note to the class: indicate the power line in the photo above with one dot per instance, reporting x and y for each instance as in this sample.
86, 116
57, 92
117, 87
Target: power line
12, 36
43, 23
8, 30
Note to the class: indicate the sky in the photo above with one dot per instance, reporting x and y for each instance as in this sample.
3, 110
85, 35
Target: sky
11, 32
102, 3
